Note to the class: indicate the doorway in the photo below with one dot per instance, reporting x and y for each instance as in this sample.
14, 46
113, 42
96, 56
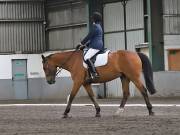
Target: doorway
19, 78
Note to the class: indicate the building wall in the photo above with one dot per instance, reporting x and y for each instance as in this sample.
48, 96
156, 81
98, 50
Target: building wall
22, 26
171, 15
114, 34
166, 84
37, 85
66, 24
22, 29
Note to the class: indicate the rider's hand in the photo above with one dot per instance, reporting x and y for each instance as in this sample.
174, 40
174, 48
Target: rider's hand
78, 46
82, 47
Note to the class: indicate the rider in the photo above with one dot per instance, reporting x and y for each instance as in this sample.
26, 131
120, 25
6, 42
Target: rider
94, 42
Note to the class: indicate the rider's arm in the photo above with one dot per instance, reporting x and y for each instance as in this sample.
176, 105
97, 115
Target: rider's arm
89, 36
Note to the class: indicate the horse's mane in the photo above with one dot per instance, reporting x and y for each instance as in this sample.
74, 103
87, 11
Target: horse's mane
49, 56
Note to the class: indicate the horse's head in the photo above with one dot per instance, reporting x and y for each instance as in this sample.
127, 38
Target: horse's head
50, 69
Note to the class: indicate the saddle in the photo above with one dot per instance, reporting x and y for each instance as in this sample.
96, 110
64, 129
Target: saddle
100, 59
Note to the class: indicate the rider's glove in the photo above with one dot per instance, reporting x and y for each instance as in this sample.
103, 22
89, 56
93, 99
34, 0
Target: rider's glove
80, 46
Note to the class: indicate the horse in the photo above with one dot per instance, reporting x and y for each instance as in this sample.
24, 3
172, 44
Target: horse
123, 64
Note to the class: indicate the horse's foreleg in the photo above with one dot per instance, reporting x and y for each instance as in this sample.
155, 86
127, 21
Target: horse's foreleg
143, 91
73, 93
91, 95
125, 86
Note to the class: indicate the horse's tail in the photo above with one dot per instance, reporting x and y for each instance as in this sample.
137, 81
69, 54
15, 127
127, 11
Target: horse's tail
148, 73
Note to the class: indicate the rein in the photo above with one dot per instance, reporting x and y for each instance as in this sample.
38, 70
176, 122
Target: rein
60, 69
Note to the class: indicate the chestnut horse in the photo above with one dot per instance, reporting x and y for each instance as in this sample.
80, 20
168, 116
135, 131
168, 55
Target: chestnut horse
126, 65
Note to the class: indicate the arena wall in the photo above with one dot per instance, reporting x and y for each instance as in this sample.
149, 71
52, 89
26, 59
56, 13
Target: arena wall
166, 82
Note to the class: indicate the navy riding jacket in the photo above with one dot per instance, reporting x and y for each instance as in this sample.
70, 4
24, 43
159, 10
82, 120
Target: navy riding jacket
94, 38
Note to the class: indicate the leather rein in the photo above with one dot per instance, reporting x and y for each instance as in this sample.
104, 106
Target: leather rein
60, 67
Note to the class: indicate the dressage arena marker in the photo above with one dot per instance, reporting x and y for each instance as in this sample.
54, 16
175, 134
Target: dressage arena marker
81, 105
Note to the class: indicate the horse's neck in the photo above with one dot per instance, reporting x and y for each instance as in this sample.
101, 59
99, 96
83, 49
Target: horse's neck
66, 60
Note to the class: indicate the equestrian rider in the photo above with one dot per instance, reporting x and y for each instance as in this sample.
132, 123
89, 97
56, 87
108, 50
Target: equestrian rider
94, 42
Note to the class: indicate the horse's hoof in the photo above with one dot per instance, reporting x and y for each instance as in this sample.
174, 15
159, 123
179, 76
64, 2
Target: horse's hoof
151, 114
98, 115
66, 116
119, 111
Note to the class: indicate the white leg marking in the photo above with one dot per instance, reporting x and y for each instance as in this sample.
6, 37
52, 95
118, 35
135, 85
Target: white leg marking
119, 111
68, 98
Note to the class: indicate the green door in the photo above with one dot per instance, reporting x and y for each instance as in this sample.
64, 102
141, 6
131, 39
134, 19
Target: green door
19, 77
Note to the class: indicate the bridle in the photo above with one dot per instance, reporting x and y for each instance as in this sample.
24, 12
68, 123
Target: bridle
60, 67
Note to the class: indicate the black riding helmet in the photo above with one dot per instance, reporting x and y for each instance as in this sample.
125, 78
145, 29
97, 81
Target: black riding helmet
97, 17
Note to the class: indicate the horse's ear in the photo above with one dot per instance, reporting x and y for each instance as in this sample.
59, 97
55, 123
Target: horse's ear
43, 58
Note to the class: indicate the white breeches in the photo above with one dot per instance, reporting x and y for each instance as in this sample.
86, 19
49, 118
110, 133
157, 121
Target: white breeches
90, 53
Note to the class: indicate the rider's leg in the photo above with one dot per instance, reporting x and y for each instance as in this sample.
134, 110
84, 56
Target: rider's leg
90, 53
92, 69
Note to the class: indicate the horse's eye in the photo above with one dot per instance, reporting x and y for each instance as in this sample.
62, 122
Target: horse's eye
45, 67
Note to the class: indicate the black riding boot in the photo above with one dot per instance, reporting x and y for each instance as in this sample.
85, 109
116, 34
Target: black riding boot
94, 74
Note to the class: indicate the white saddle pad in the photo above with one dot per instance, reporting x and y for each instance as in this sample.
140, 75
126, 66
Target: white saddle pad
101, 60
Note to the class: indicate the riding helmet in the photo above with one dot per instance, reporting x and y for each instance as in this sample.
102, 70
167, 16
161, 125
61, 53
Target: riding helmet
97, 17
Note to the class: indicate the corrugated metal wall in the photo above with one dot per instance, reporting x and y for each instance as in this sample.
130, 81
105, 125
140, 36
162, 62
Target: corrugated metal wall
22, 26
135, 23
114, 33
113, 26
171, 16
134, 38
67, 24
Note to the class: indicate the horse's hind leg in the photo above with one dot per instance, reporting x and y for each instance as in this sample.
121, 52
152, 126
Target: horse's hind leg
143, 91
125, 86
91, 95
